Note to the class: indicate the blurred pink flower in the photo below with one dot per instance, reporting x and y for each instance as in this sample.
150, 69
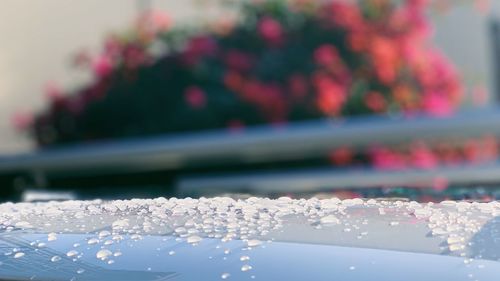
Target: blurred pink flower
357, 41
326, 54
53, 91
298, 86
82, 58
331, 95
386, 159
418, 4
152, 22
233, 81
412, 22
422, 157
134, 56
238, 60
346, 15
199, 47
195, 97
341, 156
436, 104
484, 149
251, 91
271, 30
437, 75
385, 56
112, 46
411, 52
473, 151
375, 101
22, 121
490, 147
483, 6
102, 66
440, 183
448, 154
272, 103
76, 104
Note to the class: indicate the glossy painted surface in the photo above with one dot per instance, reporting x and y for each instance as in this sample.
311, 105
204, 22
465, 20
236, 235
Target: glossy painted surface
253, 239
151, 258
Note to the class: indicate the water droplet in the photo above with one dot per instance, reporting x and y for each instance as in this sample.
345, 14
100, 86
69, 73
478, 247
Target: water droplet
71, 253
104, 233
180, 230
352, 267
456, 247
171, 253
193, 239
120, 223
23, 224
246, 267
136, 237
394, 223
55, 259
93, 241
244, 258
439, 231
454, 239
111, 262
117, 254
225, 275
103, 254
331, 219
80, 271
51, 236
253, 243
19, 255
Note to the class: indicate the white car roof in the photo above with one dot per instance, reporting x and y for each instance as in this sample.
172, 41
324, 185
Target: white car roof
221, 238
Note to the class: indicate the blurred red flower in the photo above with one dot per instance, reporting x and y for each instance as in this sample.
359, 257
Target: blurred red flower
375, 101
199, 47
326, 54
237, 60
331, 95
195, 97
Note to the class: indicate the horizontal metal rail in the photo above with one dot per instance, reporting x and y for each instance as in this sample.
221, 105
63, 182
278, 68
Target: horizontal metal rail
253, 145
328, 179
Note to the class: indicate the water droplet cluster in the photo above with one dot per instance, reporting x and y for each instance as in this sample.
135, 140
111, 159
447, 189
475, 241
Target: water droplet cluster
253, 221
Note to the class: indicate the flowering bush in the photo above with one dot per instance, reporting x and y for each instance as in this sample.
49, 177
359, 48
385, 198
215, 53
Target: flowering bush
282, 61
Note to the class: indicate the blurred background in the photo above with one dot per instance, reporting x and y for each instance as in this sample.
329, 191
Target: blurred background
146, 98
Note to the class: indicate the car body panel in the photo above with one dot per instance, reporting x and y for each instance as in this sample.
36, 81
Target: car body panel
284, 239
